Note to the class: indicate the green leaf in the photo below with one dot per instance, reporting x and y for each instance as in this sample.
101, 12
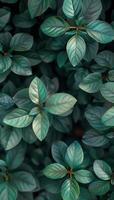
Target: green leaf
76, 48
41, 126
23, 181
100, 31
9, 1
21, 66
108, 117
37, 91
91, 83
5, 63
99, 187
72, 8
18, 118
58, 152
74, 155
91, 10
4, 17
21, 42
60, 103
54, 26
6, 101
7, 191
55, 171
102, 170
84, 176
10, 137
107, 91
38, 7
70, 190
105, 59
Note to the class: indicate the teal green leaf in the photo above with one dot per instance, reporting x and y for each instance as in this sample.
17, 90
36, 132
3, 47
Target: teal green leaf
60, 103
108, 117
91, 10
99, 187
23, 181
55, 171
70, 190
18, 118
21, 66
21, 42
6, 101
74, 155
76, 48
72, 8
4, 17
54, 26
37, 91
84, 176
41, 125
105, 59
5, 63
107, 91
7, 191
91, 83
100, 31
102, 170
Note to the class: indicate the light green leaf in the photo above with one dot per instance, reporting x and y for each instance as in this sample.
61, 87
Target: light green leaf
74, 155
18, 118
84, 176
102, 170
108, 117
21, 42
99, 187
60, 103
70, 190
7, 191
37, 91
100, 31
55, 171
76, 48
5, 63
91, 83
41, 125
54, 26
107, 91
72, 8
23, 181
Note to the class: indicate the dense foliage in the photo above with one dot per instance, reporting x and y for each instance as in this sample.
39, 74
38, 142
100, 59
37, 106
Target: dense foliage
56, 100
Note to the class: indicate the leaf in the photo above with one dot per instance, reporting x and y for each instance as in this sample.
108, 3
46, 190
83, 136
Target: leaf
18, 118
38, 7
21, 66
9, 1
91, 83
7, 191
23, 181
74, 155
54, 26
37, 91
91, 10
10, 137
94, 139
91, 49
21, 42
60, 103
41, 126
6, 101
99, 187
76, 48
84, 176
55, 171
70, 190
107, 91
58, 152
100, 31
105, 59
102, 170
72, 8
4, 17
108, 117
18, 153
5, 63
